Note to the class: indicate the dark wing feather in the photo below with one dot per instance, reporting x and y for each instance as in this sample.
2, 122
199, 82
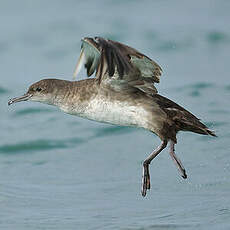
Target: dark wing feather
117, 62
147, 66
110, 60
114, 57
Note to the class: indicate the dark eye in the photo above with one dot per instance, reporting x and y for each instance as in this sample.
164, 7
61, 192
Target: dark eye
38, 89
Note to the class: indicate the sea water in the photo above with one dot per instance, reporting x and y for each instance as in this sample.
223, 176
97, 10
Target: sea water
62, 172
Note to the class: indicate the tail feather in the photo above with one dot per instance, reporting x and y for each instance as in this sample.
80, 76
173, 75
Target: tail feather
184, 120
211, 132
193, 124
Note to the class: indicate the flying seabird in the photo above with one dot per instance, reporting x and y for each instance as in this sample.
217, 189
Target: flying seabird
122, 93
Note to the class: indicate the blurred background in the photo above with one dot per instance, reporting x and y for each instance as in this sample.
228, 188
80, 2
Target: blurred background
62, 172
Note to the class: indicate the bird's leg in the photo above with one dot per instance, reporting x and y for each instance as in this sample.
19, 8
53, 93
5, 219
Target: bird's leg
177, 160
146, 175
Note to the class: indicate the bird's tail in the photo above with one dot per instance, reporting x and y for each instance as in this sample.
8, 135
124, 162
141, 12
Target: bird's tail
184, 120
211, 132
194, 125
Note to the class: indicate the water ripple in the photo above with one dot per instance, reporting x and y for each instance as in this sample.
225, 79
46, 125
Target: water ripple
38, 145
196, 86
3, 90
217, 37
227, 87
195, 90
113, 130
164, 226
171, 45
23, 112
31, 146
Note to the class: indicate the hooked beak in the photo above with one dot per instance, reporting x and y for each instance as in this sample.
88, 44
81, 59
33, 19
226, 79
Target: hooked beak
25, 97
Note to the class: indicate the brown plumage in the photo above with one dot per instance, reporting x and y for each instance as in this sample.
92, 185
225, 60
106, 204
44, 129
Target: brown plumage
122, 93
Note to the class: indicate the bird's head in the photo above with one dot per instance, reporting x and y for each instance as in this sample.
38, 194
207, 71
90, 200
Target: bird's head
41, 91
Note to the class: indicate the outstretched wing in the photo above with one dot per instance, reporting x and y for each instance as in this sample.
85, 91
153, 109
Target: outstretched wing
116, 63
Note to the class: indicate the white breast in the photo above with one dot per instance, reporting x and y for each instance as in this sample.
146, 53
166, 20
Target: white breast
114, 112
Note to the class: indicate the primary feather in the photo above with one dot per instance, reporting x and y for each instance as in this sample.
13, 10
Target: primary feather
118, 63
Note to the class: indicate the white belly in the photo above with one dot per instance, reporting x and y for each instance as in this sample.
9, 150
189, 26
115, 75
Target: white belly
115, 112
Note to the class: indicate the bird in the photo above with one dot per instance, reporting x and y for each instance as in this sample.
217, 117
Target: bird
122, 93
